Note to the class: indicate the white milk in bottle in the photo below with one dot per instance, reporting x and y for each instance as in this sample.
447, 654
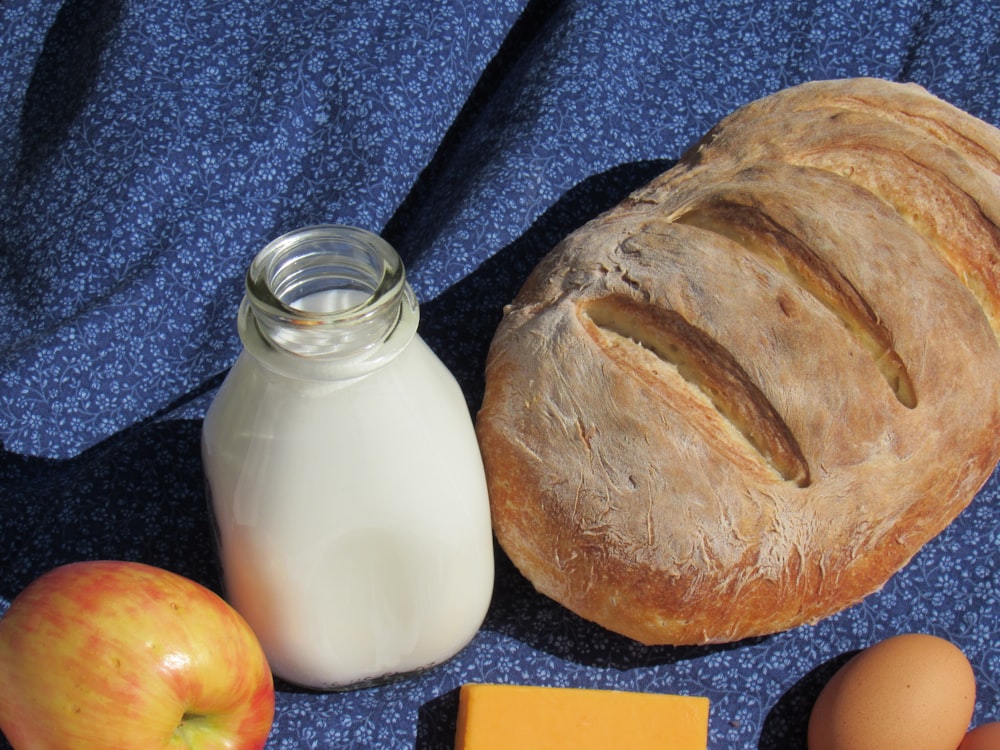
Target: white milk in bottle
343, 471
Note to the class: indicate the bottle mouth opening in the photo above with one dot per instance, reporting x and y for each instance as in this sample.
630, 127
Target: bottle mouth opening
327, 291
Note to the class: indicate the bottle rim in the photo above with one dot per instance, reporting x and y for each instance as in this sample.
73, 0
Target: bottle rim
328, 292
292, 265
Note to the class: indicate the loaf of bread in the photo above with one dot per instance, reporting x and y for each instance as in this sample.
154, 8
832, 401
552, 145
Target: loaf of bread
746, 396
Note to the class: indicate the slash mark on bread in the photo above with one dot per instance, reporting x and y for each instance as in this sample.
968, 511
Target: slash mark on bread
704, 364
751, 227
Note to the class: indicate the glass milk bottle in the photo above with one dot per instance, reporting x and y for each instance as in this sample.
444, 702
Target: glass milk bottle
343, 471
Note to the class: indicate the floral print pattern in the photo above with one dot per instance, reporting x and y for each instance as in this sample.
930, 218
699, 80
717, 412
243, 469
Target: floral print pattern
148, 150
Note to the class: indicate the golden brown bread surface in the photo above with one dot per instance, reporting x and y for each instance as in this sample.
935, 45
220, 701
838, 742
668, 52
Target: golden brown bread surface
746, 396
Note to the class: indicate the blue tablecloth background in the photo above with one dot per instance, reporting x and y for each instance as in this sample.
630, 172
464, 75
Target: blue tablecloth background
149, 149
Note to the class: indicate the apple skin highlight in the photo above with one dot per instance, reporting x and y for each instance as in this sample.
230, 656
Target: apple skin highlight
118, 654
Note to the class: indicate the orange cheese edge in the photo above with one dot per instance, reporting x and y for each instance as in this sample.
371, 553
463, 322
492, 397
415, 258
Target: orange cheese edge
522, 717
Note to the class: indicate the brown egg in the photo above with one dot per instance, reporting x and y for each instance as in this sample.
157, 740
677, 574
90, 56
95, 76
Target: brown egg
983, 737
908, 692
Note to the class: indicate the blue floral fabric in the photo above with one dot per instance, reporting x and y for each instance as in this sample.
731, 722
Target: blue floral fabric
149, 149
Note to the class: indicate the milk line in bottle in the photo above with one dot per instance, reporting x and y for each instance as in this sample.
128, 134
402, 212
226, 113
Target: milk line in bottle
344, 476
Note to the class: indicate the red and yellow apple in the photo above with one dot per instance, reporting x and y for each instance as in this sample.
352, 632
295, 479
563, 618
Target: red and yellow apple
110, 654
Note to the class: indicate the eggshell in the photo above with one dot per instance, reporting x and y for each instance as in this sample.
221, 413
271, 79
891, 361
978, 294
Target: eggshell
983, 737
908, 692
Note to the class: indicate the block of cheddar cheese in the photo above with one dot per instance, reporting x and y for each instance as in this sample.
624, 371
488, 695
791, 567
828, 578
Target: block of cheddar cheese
520, 717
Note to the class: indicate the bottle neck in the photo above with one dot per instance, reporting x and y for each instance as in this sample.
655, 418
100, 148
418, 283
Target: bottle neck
327, 301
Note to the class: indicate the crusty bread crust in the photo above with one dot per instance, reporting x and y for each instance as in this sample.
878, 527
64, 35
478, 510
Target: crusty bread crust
746, 396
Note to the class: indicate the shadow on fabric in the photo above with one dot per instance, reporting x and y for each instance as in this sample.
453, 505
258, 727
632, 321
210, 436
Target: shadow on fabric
137, 496
64, 76
786, 724
437, 721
